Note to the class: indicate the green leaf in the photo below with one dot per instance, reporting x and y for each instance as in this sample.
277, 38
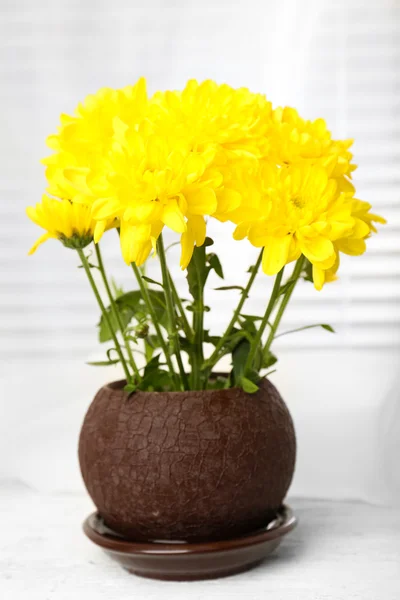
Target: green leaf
90, 265
103, 363
248, 386
251, 317
130, 388
197, 274
211, 339
268, 359
270, 372
230, 287
104, 330
249, 326
185, 345
218, 383
254, 376
110, 351
128, 305
239, 358
153, 364
235, 338
208, 242
118, 291
286, 286
151, 343
149, 280
131, 306
323, 325
215, 264
307, 271
249, 331
155, 378
134, 301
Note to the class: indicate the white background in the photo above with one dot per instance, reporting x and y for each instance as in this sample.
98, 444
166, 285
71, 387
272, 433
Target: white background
336, 59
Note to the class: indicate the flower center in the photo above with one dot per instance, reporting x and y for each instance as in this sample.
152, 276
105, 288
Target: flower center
298, 202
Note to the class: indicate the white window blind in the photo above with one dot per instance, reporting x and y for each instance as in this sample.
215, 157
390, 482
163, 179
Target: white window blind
339, 60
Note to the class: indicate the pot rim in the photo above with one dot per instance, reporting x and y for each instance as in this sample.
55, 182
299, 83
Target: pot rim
117, 386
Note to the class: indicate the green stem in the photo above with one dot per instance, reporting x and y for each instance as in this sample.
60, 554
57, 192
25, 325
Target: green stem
104, 312
255, 343
295, 277
115, 311
198, 328
152, 313
215, 356
173, 329
185, 322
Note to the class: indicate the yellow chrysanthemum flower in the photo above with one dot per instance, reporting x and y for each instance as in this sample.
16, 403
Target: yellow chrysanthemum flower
361, 210
149, 163
232, 121
303, 211
353, 244
294, 140
63, 220
152, 182
210, 150
84, 139
228, 123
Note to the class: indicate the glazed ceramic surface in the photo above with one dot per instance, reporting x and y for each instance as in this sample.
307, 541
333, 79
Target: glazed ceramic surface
183, 561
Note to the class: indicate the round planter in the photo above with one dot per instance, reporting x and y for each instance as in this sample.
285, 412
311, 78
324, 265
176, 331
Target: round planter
193, 466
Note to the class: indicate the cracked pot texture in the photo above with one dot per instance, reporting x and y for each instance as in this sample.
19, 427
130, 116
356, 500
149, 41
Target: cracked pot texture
197, 465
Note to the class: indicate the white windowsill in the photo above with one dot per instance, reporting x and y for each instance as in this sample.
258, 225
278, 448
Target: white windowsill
339, 551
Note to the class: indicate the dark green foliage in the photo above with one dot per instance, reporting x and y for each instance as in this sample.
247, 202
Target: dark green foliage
131, 306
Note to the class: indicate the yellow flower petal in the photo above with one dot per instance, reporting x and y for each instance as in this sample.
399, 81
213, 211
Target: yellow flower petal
202, 202
360, 229
99, 229
77, 178
142, 252
241, 231
259, 235
318, 277
106, 208
294, 250
275, 254
228, 200
187, 247
195, 234
351, 246
327, 263
135, 242
316, 249
43, 238
173, 217
148, 212
198, 226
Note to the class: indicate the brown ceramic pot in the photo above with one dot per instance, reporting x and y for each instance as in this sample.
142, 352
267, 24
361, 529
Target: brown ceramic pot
197, 465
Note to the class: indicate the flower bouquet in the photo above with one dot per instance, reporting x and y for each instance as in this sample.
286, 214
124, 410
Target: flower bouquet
178, 450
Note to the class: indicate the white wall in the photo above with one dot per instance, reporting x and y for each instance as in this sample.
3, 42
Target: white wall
329, 58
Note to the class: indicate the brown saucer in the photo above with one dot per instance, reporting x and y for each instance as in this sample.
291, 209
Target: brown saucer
181, 561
